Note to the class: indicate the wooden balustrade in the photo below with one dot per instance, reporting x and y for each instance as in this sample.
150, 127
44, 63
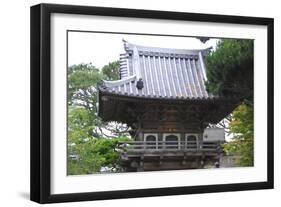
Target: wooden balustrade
138, 146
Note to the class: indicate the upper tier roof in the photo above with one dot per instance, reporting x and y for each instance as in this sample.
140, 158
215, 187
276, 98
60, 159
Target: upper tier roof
165, 73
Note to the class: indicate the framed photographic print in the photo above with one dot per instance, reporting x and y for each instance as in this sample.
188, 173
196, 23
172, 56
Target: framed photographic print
133, 103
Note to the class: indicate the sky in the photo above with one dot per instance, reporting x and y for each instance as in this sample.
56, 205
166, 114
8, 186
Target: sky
101, 48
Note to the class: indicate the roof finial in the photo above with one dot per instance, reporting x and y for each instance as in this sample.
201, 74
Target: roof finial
125, 43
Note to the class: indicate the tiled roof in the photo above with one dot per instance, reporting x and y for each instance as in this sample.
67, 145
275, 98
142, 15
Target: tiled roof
160, 73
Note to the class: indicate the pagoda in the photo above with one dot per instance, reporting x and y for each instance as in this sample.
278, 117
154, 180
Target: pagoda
162, 96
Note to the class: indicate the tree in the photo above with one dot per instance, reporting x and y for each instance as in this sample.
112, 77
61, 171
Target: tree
89, 148
230, 73
242, 127
82, 82
111, 70
82, 91
91, 155
230, 69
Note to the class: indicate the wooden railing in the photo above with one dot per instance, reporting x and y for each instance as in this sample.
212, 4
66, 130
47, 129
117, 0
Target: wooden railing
138, 146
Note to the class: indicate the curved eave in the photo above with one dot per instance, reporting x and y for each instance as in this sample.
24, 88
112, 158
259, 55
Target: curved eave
111, 103
114, 94
109, 84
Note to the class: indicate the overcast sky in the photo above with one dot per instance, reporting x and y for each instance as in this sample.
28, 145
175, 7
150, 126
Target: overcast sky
100, 48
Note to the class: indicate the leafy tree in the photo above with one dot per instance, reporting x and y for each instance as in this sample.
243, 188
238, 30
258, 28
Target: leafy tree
230, 69
242, 127
82, 94
89, 148
80, 123
111, 70
230, 73
91, 155
82, 82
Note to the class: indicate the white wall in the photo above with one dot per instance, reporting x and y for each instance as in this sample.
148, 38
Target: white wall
214, 134
14, 105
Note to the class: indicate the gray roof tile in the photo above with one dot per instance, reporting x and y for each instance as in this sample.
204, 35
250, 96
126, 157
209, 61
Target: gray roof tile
166, 73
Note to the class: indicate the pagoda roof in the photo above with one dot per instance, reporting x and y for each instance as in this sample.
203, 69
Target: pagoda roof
164, 73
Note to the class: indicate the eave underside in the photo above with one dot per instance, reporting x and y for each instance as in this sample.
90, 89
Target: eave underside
130, 110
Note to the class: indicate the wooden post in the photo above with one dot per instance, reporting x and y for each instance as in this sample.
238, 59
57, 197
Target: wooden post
156, 142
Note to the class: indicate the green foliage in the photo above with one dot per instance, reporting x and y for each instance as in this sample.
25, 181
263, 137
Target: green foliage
80, 124
242, 127
88, 150
230, 73
230, 69
90, 155
82, 82
111, 70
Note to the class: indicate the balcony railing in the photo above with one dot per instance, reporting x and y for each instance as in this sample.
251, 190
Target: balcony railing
170, 146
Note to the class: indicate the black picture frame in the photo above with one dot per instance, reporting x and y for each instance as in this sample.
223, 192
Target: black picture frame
41, 98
